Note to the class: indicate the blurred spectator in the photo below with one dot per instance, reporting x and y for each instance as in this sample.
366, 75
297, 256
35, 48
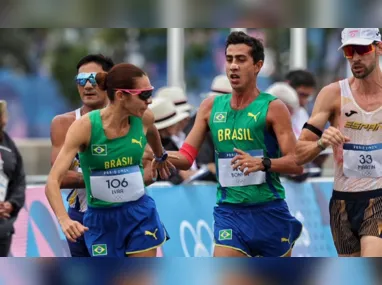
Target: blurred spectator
304, 83
177, 96
18, 123
205, 161
220, 85
288, 95
166, 121
12, 184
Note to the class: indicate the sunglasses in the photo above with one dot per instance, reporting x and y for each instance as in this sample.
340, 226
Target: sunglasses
361, 50
143, 94
82, 78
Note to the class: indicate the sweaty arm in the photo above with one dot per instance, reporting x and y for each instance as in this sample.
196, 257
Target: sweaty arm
77, 136
58, 130
188, 152
279, 118
307, 147
146, 161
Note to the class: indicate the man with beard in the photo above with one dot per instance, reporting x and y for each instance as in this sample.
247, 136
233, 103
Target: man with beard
353, 107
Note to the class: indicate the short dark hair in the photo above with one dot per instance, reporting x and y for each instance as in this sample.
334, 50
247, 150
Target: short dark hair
300, 77
240, 37
105, 62
121, 76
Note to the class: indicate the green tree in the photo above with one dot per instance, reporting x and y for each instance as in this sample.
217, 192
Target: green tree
65, 59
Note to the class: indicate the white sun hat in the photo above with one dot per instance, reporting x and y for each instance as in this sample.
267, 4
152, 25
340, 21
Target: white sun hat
177, 96
285, 93
165, 113
220, 85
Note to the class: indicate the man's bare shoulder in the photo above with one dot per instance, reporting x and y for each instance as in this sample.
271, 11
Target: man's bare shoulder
330, 91
65, 118
207, 103
326, 105
60, 125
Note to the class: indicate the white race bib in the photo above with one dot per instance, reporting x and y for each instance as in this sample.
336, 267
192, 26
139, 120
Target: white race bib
362, 161
230, 178
117, 185
3, 186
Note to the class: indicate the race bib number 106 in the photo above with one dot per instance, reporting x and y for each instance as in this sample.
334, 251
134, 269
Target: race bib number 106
117, 185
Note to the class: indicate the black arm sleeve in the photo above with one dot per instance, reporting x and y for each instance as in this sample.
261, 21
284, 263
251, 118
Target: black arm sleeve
313, 129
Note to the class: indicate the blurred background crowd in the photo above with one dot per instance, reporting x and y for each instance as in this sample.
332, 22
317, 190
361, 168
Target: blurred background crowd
38, 65
37, 69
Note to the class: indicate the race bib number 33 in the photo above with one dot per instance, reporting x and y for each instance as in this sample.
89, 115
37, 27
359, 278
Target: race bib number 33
230, 178
362, 161
118, 184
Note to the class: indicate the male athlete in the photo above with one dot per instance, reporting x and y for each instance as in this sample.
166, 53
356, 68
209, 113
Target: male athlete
353, 107
92, 98
254, 142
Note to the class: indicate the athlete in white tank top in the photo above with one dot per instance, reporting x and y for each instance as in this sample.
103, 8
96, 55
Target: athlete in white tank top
79, 194
359, 166
354, 108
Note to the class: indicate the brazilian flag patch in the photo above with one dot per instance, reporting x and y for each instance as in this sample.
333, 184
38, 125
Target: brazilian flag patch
220, 117
99, 149
225, 234
99, 249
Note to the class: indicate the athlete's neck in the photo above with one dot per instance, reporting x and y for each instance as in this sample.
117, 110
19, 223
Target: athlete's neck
115, 118
370, 85
241, 99
86, 109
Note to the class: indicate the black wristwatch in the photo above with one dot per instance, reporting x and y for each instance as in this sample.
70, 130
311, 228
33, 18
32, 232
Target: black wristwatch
267, 164
161, 158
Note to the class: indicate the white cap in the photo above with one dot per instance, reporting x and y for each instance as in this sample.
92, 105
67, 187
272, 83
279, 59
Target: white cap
285, 93
165, 113
177, 96
359, 36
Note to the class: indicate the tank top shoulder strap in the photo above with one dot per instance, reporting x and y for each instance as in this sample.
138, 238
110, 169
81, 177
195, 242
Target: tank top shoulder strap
345, 89
221, 104
266, 97
222, 100
96, 123
78, 113
136, 124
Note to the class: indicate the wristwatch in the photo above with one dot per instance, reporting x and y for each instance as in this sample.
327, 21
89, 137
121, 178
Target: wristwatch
267, 164
161, 158
321, 145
